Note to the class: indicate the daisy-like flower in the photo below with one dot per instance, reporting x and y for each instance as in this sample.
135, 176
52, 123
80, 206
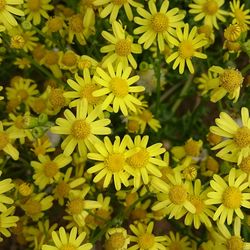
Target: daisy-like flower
240, 15
112, 7
236, 144
209, 10
173, 197
68, 60
117, 239
158, 25
229, 195
143, 163
188, 43
174, 241
62, 241
47, 171
229, 81
117, 85
6, 11
121, 47
87, 62
34, 9
42, 145
144, 239
112, 162
81, 130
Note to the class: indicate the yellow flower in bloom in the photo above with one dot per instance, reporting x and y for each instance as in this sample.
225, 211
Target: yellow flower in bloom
121, 47
174, 241
229, 81
117, 239
112, 7
22, 63
143, 163
6, 11
188, 43
240, 15
229, 195
62, 241
117, 85
7, 221
173, 197
42, 145
236, 144
47, 171
209, 10
81, 130
158, 25
112, 162
34, 9
68, 60
144, 239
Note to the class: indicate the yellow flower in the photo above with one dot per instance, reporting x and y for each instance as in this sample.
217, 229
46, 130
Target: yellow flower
112, 7
143, 163
81, 129
87, 62
68, 60
42, 145
69, 242
209, 10
117, 85
158, 25
116, 239
53, 25
112, 162
188, 43
229, 195
6, 11
34, 9
174, 241
22, 63
144, 238
121, 47
232, 32
236, 144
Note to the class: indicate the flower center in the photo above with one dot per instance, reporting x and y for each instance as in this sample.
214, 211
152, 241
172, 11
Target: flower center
178, 194
4, 140
139, 159
115, 162
68, 247
231, 197
69, 59
198, 203
51, 58
34, 5
76, 23
76, 206
131, 198
245, 165
186, 49
22, 94
235, 243
232, 32
2, 4
80, 129
17, 42
242, 137
159, 22
146, 115
239, 15
19, 122
175, 246
55, 24
84, 63
32, 207
116, 241
192, 148
133, 126
24, 189
139, 214
119, 87
190, 172
50, 169
104, 214
56, 98
38, 105
123, 47
210, 7
62, 189
119, 2
87, 92
231, 79
146, 241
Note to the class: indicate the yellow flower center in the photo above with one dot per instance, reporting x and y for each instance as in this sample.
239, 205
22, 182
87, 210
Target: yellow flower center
175, 246
4, 140
56, 98
69, 59
131, 198
146, 115
50, 169
139, 159
87, 92
231, 197
51, 58
190, 172
62, 189
231, 79
17, 42
119, 87
210, 7
80, 129
186, 49
138, 214
22, 94
205, 29
2, 4
19, 122
104, 214
123, 47
38, 105
84, 63
133, 126
76, 23
119, 2
198, 203
32, 207
116, 241
235, 243
212, 164
115, 162
245, 165
146, 241
159, 22
240, 15
192, 148
68, 247
34, 5
55, 24
76, 206
178, 194
25, 189
242, 137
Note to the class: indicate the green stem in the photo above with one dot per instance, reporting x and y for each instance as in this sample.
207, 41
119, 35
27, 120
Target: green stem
245, 69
